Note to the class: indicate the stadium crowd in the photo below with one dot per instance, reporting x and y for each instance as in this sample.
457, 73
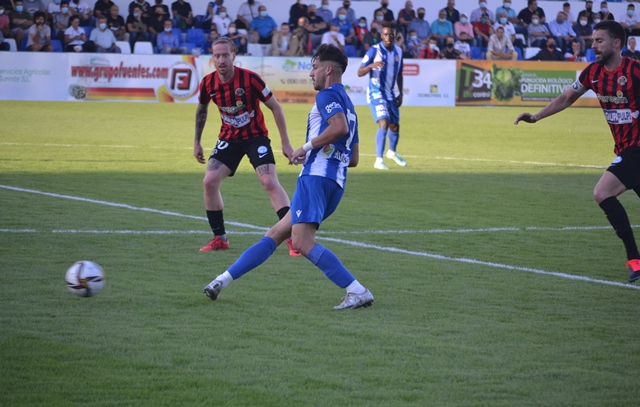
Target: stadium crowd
499, 33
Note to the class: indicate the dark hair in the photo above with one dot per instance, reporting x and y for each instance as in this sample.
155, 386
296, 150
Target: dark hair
529, 2
225, 40
614, 29
39, 14
73, 18
331, 53
389, 24
566, 5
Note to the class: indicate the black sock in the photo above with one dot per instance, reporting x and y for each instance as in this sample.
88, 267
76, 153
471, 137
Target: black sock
216, 222
282, 211
618, 218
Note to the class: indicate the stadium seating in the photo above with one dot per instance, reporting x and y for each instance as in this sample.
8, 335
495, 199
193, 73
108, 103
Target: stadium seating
196, 36
56, 45
519, 52
142, 47
254, 49
12, 44
124, 46
530, 52
591, 56
476, 53
189, 46
350, 50
87, 30
23, 46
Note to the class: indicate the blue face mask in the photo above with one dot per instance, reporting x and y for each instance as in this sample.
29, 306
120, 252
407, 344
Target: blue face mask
263, 14
57, 1
223, 15
413, 37
503, 20
135, 14
362, 25
342, 17
19, 9
630, 13
64, 10
463, 20
380, 18
102, 26
167, 29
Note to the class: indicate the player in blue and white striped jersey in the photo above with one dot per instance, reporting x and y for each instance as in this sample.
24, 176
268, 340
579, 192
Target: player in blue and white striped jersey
331, 146
383, 62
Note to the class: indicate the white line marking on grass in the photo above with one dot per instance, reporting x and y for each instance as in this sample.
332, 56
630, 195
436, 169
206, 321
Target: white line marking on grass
278, 151
125, 206
478, 230
124, 232
347, 242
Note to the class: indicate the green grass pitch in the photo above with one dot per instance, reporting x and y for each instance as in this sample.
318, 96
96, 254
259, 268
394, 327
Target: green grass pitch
497, 279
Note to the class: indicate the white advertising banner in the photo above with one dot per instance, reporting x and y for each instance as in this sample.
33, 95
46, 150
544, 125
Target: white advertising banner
143, 78
429, 83
32, 76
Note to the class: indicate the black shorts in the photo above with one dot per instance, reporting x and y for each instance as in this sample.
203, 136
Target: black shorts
230, 153
626, 167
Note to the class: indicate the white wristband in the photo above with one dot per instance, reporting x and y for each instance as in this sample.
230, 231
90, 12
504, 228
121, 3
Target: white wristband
307, 146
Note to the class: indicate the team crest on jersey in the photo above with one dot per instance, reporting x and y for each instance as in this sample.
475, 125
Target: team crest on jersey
622, 80
397, 58
239, 92
328, 150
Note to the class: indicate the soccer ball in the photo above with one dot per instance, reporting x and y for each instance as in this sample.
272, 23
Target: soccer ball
85, 278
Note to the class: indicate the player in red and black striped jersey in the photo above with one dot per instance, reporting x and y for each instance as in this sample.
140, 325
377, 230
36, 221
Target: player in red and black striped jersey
616, 82
238, 92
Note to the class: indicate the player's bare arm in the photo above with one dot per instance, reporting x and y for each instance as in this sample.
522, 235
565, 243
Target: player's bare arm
201, 119
337, 128
363, 70
400, 82
566, 99
355, 156
278, 116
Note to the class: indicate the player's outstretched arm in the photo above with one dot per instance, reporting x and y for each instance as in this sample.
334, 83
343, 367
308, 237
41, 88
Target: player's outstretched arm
566, 99
201, 119
365, 69
278, 116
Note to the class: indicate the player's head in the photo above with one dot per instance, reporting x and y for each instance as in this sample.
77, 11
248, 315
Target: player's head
608, 40
327, 66
223, 53
388, 33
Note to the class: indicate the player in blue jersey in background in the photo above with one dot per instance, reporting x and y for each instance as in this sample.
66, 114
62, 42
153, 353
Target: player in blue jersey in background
383, 63
331, 146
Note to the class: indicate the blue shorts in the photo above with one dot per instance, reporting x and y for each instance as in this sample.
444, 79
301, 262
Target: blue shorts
314, 199
385, 109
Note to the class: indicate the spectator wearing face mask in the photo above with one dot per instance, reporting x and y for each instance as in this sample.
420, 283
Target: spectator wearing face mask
334, 37
316, 26
431, 51
588, 11
221, 21
450, 52
386, 11
414, 45
325, 12
345, 26
548, 52
482, 30
263, 27
372, 37
421, 26
605, 13
538, 32
361, 30
462, 45
630, 21
526, 14
103, 38
20, 21
464, 26
583, 32
479, 13
239, 39
351, 13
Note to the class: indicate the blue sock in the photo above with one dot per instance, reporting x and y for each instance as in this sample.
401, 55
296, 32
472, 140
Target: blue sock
253, 257
393, 140
381, 138
330, 265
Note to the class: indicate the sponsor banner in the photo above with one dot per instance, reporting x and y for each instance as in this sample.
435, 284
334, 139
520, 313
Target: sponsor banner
33, 76
426, 83
142, 78
516, 83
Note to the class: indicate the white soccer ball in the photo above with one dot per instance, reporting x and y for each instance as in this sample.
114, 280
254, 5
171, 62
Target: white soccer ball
85, 278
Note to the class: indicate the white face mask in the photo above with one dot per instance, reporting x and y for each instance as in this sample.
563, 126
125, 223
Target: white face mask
583, 22
432, 46
102, 26
232, 30
535, 21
